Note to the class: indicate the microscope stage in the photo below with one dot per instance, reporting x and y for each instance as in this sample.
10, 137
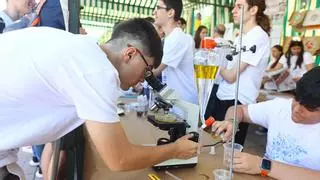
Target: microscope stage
166, 124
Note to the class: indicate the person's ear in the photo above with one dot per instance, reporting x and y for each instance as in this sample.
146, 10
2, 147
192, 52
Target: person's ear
171, 13
128, 53
254, 10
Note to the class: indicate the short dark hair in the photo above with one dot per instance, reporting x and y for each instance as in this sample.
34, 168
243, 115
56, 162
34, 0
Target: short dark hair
308, 89
176, 5
116, 23
150, 19
182, 21
143, 32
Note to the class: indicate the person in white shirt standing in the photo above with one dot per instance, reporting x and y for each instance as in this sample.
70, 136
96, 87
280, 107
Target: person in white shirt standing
177, 62
218, 34
256, 28
45, 95
292, 150
182, 23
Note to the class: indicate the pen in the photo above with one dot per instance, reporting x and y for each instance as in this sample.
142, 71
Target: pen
153, 177
209, 145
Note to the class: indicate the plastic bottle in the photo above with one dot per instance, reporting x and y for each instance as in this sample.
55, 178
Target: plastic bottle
208, 122
142, 105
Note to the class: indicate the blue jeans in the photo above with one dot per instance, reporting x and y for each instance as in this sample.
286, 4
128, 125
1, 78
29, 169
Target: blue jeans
37, 151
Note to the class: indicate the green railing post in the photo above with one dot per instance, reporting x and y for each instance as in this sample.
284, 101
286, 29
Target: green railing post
74, 16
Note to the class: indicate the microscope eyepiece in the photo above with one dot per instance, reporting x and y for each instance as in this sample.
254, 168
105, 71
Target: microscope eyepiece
155, 83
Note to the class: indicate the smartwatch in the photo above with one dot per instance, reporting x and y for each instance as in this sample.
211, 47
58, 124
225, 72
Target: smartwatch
265, 167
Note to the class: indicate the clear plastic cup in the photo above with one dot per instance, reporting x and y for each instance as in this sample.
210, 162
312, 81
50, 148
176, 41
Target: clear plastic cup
228, 152
221, 174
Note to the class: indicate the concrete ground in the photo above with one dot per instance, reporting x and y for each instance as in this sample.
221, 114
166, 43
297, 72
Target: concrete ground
255, 144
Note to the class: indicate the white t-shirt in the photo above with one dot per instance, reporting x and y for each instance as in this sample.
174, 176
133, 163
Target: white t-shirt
251, 77
289, 83
222, 53
273, 60
288, 142
10, 155
297, 71
50, 82
179, 73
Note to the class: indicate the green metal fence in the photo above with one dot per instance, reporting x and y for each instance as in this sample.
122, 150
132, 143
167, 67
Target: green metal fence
112, 11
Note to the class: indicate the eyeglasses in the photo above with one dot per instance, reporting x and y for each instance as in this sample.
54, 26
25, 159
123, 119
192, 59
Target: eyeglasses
149, 67
161, 7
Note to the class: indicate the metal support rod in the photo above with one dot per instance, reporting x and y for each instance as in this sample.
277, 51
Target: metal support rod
55, 159
74, 13
237, 90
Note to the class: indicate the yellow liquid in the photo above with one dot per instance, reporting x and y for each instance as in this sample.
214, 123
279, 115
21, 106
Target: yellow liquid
205, 71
